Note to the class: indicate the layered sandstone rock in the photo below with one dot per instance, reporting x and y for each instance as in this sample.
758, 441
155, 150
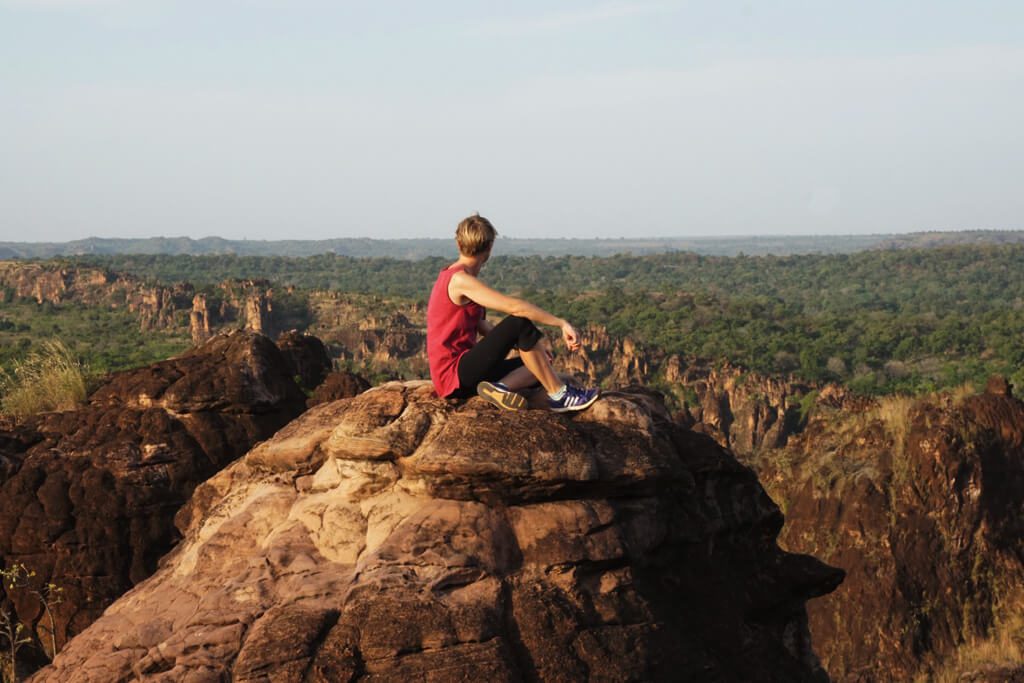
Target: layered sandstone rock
87, 497
199, 320
742, 410
922, 502
156, 307
249, 302
396, 536
46, 283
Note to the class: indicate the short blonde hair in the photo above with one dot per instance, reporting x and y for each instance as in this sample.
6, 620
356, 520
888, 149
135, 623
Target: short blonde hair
475, 235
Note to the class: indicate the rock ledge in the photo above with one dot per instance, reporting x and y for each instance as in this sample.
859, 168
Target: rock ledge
397, 536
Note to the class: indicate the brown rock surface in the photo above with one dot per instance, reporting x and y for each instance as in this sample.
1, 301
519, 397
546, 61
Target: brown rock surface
249, 301
87, 497
306, 358
338, 385
396, 536
199, 320
46, 283
743, 411
367, 331
922, 502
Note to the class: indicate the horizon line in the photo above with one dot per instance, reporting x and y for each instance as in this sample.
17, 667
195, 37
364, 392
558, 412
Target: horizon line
678, 238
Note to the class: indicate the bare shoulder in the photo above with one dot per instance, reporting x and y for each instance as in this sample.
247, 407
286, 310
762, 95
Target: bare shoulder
457, 286
461, 276
460, 281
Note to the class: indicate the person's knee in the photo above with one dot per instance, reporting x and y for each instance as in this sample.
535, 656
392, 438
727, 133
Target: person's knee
522, 325
529, 334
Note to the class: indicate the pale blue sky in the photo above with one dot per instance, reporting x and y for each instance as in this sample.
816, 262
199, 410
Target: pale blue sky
310, 119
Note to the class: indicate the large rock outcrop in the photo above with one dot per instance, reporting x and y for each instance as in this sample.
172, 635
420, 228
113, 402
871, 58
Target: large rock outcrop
922, 502
395, 536
88, 497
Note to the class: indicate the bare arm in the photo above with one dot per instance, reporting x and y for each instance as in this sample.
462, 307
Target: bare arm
465, 285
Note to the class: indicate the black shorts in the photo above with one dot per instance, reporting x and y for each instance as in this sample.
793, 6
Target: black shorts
487, 360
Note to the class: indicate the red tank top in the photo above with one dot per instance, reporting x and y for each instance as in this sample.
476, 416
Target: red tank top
451, 331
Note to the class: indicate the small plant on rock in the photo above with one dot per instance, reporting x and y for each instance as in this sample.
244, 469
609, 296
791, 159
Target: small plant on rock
12, 630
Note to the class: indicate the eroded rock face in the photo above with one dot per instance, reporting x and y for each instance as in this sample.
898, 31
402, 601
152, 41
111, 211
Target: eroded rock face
369, 333
743, 411
87, 497
52, 284
922, 502
397, 536
338, 385
249, 302
306, 358
199, 320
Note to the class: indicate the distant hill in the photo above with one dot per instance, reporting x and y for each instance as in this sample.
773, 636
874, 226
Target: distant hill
413, 249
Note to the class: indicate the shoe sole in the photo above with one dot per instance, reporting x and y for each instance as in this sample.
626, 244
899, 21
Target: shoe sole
582, 406
506, 400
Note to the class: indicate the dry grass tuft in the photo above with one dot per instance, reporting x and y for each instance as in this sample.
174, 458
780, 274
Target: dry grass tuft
961, 393
48, 379
1004, 648
894, 413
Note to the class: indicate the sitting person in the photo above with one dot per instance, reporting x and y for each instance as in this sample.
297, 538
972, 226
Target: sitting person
461, 366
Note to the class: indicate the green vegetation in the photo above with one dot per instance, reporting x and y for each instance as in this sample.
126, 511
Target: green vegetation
899, 321
104, 339
13, 632
49, 378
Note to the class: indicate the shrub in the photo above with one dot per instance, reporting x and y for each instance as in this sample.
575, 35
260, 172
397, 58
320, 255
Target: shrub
50, 378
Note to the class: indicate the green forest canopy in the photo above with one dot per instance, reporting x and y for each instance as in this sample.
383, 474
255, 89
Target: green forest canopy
881, 321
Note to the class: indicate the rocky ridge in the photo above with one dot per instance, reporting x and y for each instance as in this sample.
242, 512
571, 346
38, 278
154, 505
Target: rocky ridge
87, 497
922, 502
159, 307
398, 536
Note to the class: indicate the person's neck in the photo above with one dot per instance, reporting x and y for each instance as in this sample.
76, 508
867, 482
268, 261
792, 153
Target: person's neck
471, 264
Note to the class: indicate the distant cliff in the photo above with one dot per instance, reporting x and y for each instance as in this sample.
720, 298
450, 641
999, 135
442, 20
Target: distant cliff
237, 303
922, 502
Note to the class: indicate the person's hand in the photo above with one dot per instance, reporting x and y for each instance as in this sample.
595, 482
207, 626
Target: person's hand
571, 336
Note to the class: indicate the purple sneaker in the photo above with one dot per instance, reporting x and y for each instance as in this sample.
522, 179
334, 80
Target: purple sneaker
574, 399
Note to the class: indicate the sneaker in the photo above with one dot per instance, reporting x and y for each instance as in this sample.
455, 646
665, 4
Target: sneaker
574, 399
500, 395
